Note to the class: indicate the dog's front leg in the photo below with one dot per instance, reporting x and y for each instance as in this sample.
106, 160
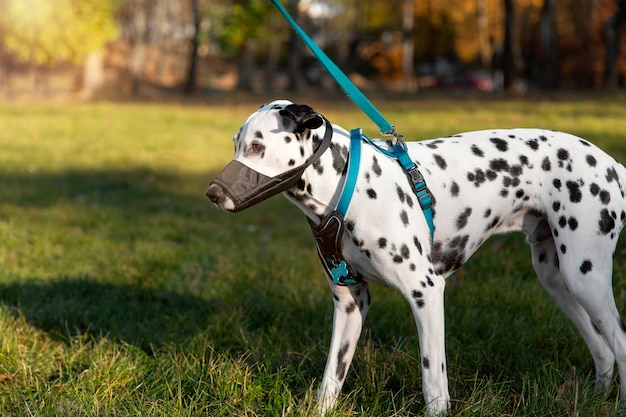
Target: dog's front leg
351, 305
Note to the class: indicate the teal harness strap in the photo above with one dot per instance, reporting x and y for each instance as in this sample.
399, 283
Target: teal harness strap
344, 82
353, 171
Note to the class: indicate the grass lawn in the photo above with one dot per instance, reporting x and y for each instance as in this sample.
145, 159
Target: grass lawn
124, 292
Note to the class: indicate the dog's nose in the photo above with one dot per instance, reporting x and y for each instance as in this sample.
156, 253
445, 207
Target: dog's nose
215, 193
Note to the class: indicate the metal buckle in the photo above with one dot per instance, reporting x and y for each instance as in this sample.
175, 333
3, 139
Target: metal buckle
397, 137
416, 176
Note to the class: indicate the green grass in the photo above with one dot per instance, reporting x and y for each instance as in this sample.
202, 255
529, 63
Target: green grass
123, 292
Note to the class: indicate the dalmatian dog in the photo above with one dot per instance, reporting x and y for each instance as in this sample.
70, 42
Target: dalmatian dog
563, 192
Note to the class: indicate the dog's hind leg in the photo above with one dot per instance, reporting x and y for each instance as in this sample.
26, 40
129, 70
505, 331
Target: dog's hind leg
351, 304
587, 275
546, 264
427, 303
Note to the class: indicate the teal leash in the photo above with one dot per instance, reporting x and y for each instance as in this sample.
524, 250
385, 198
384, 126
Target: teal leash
344, 82
399, 149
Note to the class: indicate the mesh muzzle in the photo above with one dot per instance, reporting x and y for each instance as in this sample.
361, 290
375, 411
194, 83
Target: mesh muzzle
247, 187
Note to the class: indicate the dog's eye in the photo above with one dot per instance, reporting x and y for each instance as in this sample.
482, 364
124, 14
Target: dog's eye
256, 147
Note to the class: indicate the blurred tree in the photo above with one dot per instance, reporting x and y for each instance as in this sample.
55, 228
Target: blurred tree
612, 37
508, 53
241, 27
408, 46
134, 18
294, 62
549, 67
46, 32
190, 82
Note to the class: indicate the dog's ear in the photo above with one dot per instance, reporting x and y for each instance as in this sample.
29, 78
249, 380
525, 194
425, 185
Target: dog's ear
303, 116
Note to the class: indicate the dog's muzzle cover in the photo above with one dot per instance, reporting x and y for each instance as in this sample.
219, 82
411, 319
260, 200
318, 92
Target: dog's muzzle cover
247, 187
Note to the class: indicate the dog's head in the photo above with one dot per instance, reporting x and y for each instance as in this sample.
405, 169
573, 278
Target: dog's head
272, 149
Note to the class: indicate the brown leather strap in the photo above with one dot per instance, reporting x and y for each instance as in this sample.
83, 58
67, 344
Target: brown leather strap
328, 235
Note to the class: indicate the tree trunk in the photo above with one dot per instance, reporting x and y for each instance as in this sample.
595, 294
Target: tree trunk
612, 38
508, 56
294, 65
93, 74
190, 82
549, 77
408, 19
482, 18
246, 66
138, 52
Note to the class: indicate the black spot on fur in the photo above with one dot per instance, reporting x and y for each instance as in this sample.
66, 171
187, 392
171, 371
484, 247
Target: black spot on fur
454, 189
546, 165
493, 223
487, 213
524, 160
404, 251
501, 145
574, 191
533, 144
351, 307
591, 160
605, 197
562, 154
291, 162
594, 188
441, 163
477, 177
586, 266
563, 249
477, 151
499, 165
556, 206
376, 168
611, 174
557, 183
371, 193
461, 221
425, 363
340, 157
382, 243
287, 139
404, 217
516, 170
606, 223
573, 223
417, 244
341, 364
400, 193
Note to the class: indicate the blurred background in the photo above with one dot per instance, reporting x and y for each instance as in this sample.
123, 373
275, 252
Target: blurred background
146, 48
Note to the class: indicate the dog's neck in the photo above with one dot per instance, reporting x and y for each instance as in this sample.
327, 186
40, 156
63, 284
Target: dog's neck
319, 190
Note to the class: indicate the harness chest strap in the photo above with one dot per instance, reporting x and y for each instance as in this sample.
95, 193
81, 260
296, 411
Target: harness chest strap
329, 232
